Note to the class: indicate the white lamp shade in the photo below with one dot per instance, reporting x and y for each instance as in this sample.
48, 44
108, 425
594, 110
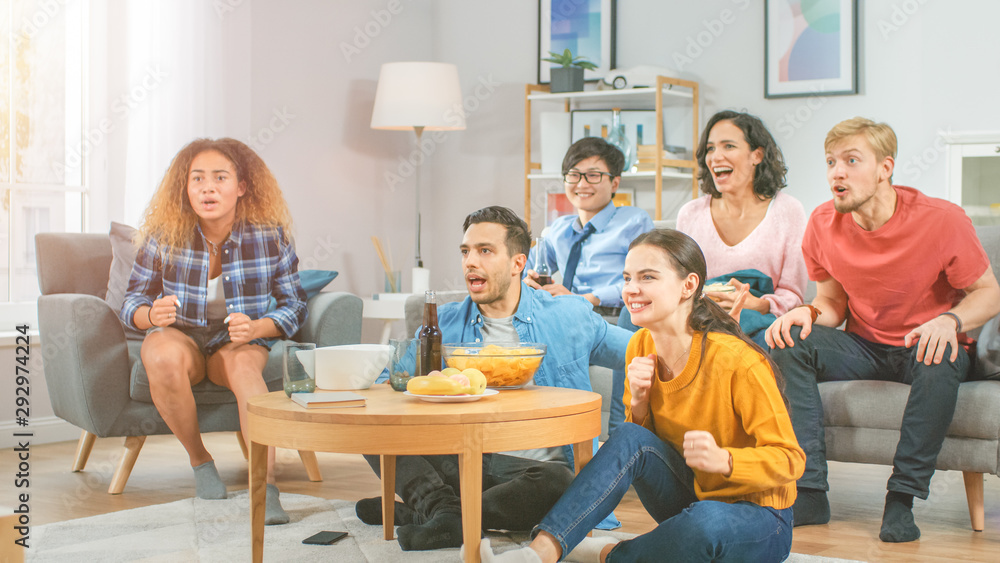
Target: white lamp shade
418, 94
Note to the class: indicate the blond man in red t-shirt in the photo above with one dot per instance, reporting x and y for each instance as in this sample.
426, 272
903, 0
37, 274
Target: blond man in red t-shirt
909, 276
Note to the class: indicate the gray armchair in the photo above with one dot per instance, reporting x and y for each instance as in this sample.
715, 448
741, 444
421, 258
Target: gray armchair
95, 378
862, 419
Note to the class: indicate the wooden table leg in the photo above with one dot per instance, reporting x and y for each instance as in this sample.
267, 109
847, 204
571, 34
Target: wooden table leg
388, 469
470, 471
582, 454
258, 493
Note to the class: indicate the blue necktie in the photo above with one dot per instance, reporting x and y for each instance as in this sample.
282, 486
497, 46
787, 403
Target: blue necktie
574, 256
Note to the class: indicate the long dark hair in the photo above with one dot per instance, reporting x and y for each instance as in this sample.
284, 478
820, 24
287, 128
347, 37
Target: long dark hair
706, 315
768, 176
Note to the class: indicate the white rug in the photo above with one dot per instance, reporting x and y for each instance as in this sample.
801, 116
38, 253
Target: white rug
209, 531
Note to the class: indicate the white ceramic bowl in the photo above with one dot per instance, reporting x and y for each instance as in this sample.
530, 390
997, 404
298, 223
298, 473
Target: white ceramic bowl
351, 366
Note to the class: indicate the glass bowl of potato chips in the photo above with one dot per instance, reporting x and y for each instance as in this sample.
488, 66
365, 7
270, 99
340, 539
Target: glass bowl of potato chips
505, 365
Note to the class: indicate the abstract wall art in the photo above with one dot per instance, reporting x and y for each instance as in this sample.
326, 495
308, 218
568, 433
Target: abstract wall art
810, 47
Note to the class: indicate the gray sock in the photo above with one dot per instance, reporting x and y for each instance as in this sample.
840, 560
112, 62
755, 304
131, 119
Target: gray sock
207, 483
273, 513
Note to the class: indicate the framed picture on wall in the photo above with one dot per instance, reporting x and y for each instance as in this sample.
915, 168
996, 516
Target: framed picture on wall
585, 27
810, 48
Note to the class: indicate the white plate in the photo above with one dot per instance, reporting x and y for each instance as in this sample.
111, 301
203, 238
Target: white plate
452, 398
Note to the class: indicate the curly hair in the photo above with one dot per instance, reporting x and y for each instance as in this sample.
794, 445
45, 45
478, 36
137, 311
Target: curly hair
171, 220
768, 176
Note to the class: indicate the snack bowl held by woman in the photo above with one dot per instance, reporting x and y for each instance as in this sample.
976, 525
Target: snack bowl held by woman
505, 365
350, 366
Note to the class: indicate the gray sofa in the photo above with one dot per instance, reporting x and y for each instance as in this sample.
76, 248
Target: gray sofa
93, 373
862, 418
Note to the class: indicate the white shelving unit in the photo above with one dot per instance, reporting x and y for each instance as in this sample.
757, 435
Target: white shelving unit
974, 174
668, 93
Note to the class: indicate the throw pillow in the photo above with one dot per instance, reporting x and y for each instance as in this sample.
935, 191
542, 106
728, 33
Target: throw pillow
313, 281
123, 252
988, 351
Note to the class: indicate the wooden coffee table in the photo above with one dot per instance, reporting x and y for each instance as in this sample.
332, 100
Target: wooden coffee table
392, 424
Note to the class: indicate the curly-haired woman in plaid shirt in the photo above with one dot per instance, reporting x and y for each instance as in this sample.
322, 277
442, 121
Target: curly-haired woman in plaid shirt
214, 250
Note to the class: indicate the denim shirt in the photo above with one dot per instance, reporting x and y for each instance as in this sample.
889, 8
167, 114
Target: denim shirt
575, 337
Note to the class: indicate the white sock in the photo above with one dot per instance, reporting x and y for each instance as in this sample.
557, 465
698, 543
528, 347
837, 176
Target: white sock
589, 550
523, 555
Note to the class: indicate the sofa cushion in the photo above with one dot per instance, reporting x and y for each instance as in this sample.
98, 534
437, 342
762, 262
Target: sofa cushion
205, 392
880, 405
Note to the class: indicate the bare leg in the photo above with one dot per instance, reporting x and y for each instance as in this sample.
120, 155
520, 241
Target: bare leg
546, 546
240, 368
173, 364
543, 549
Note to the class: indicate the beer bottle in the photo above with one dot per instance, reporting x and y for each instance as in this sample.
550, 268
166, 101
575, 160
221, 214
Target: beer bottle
542, 263
430, 337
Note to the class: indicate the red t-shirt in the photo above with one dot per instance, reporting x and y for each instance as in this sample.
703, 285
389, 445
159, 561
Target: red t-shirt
902, 274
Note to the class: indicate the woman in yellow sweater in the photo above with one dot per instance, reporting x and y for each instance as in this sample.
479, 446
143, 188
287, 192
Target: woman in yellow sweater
711, 450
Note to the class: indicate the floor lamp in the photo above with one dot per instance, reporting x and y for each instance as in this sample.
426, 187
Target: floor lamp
420, 96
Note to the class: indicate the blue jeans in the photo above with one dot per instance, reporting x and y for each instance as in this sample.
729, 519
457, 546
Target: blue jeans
688, 529
829, 354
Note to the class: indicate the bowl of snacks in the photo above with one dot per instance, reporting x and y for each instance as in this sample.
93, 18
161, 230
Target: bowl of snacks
505, 365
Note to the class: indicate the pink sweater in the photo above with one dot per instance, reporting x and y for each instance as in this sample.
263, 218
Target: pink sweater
774, 247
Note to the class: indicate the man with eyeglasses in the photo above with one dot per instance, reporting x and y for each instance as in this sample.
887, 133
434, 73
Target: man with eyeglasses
589, 248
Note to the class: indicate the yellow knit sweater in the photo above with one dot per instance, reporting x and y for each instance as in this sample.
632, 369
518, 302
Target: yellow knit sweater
734, 397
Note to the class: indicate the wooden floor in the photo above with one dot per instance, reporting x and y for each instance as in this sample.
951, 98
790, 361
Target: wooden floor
162, 474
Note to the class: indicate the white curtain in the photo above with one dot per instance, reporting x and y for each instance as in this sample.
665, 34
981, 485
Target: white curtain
175, 88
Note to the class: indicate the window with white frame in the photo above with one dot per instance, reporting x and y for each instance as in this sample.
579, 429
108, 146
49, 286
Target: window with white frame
43, 146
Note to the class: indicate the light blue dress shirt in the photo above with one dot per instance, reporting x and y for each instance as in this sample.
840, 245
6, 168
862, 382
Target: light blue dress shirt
602, 257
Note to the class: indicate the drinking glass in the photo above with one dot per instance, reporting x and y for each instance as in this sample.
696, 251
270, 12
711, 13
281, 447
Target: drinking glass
403, 361
294, 375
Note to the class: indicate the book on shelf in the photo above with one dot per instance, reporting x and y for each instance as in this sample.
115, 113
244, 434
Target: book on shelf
338, 399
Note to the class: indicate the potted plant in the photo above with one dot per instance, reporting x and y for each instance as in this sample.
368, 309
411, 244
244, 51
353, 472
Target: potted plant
568, 77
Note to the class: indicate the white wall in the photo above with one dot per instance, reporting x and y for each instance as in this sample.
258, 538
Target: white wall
926, 65
329, 162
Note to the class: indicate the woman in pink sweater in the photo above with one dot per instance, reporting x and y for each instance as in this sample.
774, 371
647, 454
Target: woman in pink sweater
744, 222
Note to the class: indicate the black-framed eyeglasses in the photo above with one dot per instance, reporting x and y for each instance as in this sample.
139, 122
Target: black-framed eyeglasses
593, 176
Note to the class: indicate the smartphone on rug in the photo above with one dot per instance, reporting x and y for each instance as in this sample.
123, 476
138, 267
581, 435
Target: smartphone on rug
325, 538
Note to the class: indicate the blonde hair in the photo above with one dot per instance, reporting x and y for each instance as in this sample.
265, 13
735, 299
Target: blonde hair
171, 219
880, 136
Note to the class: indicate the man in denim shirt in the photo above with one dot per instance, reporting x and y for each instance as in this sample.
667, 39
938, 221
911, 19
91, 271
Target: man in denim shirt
518, 489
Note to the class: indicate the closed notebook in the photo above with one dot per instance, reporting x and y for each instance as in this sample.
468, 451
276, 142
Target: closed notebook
337, 399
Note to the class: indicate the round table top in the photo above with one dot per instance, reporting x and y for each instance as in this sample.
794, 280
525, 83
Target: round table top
385, 406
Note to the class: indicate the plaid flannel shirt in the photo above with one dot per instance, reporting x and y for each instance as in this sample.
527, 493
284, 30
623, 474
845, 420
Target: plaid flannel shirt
256, 264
